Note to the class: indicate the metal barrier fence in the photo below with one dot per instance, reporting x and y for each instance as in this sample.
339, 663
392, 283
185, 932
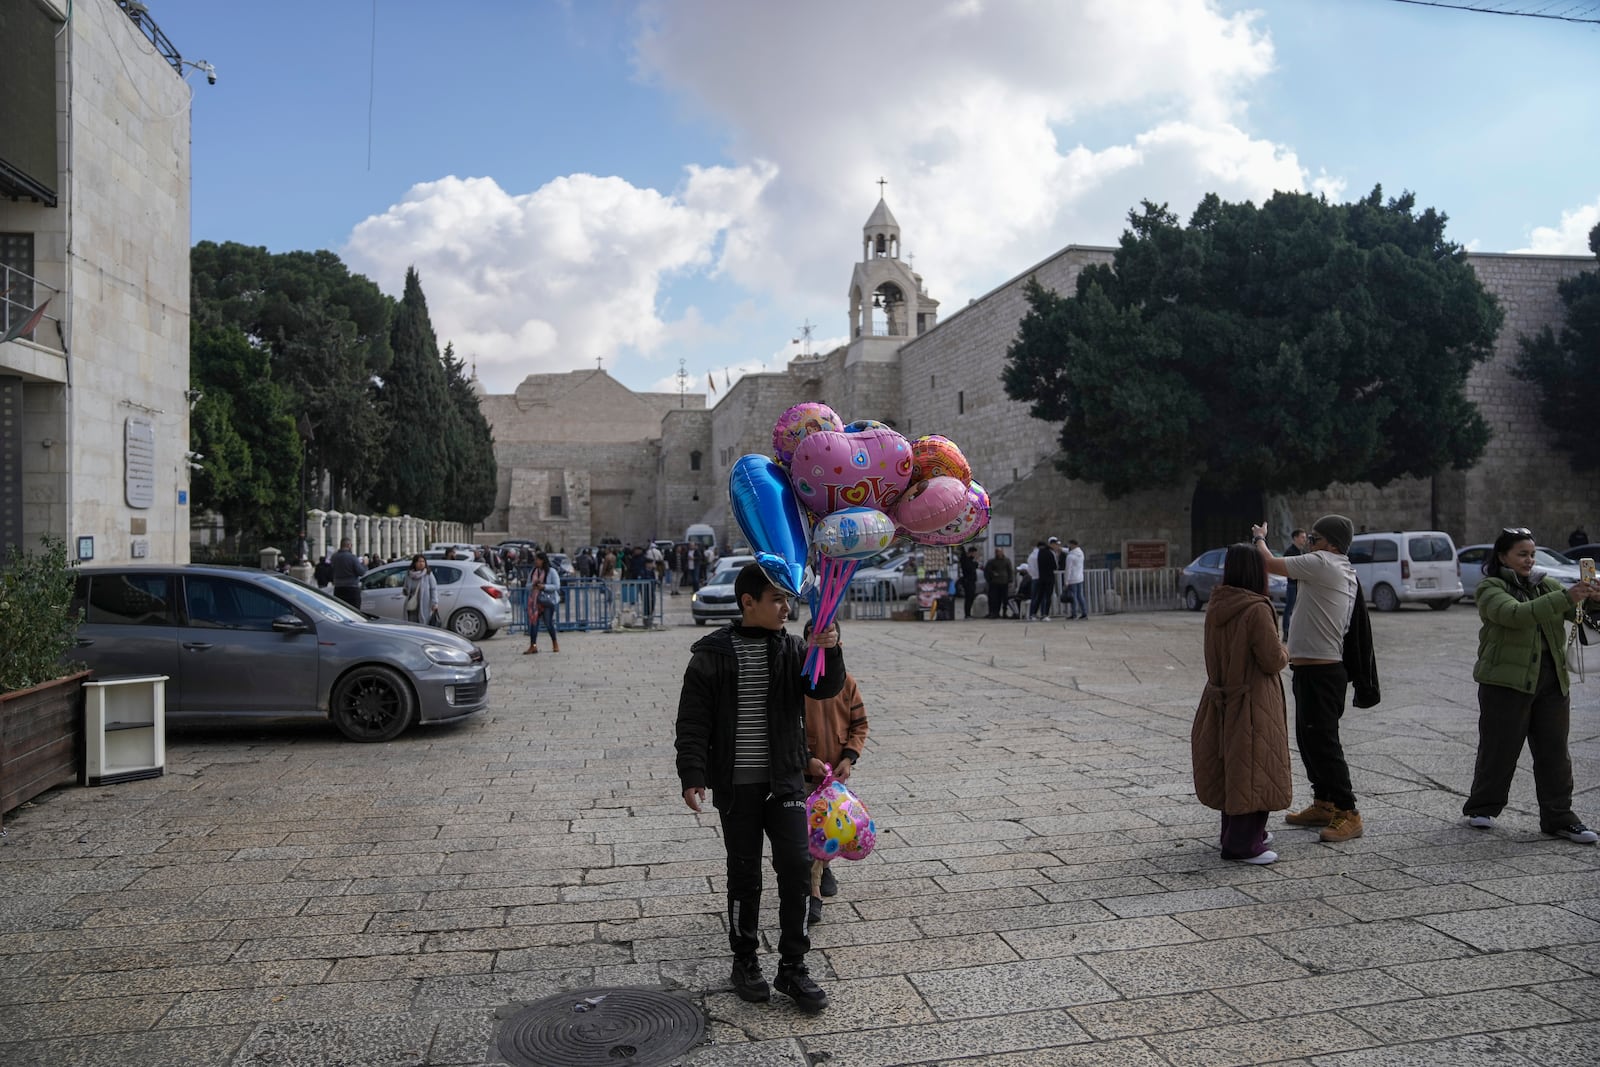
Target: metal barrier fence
869, 601
1148, 589
596, 604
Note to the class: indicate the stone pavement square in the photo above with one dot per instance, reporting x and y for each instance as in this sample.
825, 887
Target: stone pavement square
1045, 891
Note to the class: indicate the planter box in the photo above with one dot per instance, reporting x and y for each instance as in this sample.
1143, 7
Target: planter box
41, 739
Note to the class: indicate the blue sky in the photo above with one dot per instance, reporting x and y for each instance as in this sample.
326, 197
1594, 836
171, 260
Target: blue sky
642, 182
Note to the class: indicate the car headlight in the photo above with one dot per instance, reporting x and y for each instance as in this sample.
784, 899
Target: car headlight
695, 599
447, 656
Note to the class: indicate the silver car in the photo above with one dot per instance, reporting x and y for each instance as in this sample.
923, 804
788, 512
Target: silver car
246, 645
715, 600
472, 602
1547, 562
1200, 578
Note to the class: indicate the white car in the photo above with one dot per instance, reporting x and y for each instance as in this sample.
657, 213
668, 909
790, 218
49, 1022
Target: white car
1406, 566
472, 602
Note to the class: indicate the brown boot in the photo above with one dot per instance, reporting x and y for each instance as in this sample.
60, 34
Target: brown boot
530, 650
1320, 813
1345, 825
555, 646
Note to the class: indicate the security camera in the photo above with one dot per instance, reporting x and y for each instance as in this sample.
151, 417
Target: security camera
211, 72
191, 456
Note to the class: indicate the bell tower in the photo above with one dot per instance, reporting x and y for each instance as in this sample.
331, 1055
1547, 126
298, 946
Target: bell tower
888, 305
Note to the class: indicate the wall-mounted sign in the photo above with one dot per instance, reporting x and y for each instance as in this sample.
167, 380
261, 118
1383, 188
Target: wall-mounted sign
139, 462
1002, 540
85, 549
1143, 555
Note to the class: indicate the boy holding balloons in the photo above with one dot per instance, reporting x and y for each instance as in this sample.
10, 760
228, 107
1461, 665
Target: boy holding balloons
741, 732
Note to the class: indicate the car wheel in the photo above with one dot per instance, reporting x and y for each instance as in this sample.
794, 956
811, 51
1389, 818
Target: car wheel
1383, 598
699, 622
470, 623
1191, 599
1438, 605
373, 703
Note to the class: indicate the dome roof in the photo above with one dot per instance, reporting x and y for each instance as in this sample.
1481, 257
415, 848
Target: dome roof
881, 218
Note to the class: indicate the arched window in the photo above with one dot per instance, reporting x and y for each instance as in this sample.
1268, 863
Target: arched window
694, 461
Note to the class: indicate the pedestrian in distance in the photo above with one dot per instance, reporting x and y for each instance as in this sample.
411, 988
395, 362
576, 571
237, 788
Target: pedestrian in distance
1296, 547
323, 574
836, 734
544, 599
1240, 739
421, 592
1042, 568
1023, 597
1523, 695
1578, 536
998, 573
1328, 591
969, 581
741, 733
1077, 607
347, 574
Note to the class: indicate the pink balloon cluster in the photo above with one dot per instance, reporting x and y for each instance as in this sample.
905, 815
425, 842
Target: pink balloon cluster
880, 484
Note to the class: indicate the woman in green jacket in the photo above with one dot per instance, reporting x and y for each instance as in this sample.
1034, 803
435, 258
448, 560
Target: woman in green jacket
1522, 687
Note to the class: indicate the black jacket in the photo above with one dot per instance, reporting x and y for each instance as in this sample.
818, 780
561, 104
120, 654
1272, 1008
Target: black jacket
708, 710
1360, 661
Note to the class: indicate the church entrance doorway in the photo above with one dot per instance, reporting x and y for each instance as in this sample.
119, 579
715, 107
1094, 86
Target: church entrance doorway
1219, 517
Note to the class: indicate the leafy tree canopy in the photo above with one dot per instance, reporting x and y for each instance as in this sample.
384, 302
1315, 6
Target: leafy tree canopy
1283, 347
1565, 366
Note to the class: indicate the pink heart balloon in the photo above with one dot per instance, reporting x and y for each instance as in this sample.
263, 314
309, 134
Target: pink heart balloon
929, 505
832, 470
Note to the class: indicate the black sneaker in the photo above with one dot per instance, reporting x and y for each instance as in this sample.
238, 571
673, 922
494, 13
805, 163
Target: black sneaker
747, 980
830, 884
1575, 831
813, 910
794, 982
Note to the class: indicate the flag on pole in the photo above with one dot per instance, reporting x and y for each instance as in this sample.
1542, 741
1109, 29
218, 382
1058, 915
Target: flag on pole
26, 326
712, 382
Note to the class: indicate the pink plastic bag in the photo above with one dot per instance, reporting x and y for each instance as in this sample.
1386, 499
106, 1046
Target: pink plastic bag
839, 823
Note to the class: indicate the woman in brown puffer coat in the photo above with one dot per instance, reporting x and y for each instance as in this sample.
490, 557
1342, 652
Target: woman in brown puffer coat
1240, 739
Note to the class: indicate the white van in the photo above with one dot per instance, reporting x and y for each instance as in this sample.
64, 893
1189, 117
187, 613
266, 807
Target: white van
703, 535
1406, 566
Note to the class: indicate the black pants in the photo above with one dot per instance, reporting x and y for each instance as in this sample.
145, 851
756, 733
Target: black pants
969, 593
1507, 718
755, 812
997, 600
1041, 598
1319, 690
1243, 836
1288, 606
350, 594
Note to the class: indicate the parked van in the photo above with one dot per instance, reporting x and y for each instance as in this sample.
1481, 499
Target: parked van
703, 535
1406, 566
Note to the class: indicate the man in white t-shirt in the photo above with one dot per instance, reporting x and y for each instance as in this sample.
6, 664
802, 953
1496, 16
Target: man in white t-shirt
1325, 601
1077, 608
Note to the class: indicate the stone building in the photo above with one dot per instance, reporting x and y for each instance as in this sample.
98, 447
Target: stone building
94, 253
905, 367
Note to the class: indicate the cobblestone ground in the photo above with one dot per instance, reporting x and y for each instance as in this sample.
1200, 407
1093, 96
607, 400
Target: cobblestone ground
1046, 891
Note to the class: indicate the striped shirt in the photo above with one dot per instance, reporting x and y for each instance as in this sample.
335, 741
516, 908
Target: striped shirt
752, 752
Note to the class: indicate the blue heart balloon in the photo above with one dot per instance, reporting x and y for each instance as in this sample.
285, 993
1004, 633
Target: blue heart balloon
767, 510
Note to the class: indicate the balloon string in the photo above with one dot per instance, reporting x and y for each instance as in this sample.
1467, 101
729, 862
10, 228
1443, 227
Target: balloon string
834, 582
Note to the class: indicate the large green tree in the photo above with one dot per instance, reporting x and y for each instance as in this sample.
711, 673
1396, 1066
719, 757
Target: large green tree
243, 427
1565, 366
327, 331
473, 477
1281, 347
415, 402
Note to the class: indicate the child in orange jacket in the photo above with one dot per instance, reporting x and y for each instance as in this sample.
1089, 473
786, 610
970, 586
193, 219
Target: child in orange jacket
836, 731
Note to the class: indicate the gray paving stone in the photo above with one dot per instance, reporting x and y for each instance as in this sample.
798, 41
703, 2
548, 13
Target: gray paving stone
1307, 996
376, 1041
1475, 1050
1517, 926
1182, 968
1003, 988
1577, 1045
947, 1041
1154, 1015
1448, 1016
1497, 970
1084, 938
204, 1046
1259, 1042
1127, 1053
1356, 945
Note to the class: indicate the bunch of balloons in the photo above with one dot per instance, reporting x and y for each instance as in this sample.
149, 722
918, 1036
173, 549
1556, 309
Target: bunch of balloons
847, 492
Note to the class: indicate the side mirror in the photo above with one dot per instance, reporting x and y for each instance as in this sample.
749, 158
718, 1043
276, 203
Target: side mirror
289, 624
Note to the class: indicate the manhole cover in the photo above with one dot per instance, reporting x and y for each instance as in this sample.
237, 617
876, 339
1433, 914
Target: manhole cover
602, 1028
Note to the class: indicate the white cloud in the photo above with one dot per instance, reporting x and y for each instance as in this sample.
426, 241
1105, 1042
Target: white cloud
552, 279
1006, 130
1570, 238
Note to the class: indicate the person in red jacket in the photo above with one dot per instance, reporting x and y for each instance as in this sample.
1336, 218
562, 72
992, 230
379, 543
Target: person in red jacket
836, 732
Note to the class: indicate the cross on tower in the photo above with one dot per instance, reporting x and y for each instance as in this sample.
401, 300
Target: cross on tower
881, 183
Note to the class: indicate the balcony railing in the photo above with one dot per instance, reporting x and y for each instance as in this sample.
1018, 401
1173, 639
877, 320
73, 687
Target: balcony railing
21, 296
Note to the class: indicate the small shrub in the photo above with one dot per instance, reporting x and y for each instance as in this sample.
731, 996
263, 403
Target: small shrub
37, 620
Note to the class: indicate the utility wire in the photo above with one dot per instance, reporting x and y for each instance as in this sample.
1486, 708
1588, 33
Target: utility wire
1497, 11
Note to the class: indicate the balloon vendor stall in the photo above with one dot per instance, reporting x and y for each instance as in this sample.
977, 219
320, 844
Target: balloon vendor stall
834, 493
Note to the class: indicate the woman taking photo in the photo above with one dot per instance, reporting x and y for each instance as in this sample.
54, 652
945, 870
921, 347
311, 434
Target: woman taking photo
421, 592
1240, 739
1522, 687
544, 594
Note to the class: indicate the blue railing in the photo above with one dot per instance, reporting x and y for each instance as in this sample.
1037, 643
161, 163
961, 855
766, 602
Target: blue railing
596, 604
